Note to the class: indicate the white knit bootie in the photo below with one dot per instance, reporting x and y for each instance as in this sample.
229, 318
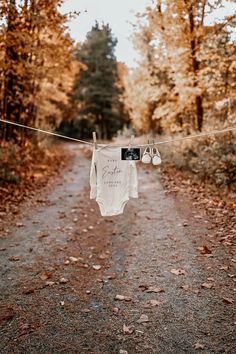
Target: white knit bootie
147, 158
156, 157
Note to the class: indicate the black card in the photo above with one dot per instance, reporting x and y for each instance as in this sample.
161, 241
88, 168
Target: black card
130, 154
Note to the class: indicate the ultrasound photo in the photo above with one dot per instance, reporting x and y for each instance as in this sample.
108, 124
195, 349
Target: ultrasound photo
130, 154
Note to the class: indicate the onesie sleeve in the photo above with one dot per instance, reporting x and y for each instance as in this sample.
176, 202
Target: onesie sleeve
133, 190
93, 177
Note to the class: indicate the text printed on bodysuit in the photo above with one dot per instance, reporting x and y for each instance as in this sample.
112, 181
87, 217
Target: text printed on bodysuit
110, 175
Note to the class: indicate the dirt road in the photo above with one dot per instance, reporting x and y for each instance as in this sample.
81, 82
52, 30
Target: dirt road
152, 280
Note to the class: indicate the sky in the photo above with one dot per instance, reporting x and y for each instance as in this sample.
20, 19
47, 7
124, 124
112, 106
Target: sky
119, 14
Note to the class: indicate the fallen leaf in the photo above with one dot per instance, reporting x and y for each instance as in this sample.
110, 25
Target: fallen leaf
85, 310
6, 313
63, 281
73, 259
84, 265
144, 286
211, 279
143, 319
19, 224
14, 258
185, 287
228, 300
198, 217
123, 351
199, 346
231, 275
103, 256
97, 267
178, 271
115, 310
62, 303
224, 268
204, 250
122, 298
111, 277
152, 303
207, 285
49, 283
28, 291
127, 330
43, 234
27, 328
173, 238
45, 275
154, 289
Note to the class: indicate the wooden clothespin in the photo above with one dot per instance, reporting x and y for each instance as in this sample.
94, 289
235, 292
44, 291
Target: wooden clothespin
131, 143
95, 140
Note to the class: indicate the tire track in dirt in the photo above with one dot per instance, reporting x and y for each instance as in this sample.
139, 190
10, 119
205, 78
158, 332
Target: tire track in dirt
51, 303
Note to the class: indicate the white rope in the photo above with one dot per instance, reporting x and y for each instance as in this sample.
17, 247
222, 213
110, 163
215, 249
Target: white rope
46, 132
213, 132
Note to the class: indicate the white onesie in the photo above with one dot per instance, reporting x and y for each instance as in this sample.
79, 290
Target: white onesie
113, 181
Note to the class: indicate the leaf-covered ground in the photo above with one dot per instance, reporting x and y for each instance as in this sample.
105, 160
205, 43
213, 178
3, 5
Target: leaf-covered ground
157, 279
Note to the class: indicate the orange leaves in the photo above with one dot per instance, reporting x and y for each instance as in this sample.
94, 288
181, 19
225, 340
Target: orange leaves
178, 271
208, 285
151, 288
45, 275
39, 82
123, 298
143, 319
204, 250
152, 303
97, 267
228, 300
127, 330
199, 346
14, 258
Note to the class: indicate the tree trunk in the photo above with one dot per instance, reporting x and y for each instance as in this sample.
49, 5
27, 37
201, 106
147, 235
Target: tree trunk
9, 105
199, 107
195, 66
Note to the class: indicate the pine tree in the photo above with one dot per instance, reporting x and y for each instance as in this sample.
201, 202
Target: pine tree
96, 88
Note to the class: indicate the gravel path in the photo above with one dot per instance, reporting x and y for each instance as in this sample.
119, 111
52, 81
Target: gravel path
152, 280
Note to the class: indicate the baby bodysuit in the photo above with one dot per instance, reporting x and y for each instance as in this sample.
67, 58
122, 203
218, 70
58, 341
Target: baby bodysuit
112, 180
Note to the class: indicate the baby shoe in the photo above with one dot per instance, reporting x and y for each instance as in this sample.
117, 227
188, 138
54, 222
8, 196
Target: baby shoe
147, 155
156, 157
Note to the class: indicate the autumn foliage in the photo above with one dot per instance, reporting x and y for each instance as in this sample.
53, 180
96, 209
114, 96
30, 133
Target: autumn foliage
37, 71
36, 65
185, 83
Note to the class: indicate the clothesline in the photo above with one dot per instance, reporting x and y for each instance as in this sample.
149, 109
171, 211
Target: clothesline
212, 132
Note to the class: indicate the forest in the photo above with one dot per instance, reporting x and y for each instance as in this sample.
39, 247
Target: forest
82, 272
184, 82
